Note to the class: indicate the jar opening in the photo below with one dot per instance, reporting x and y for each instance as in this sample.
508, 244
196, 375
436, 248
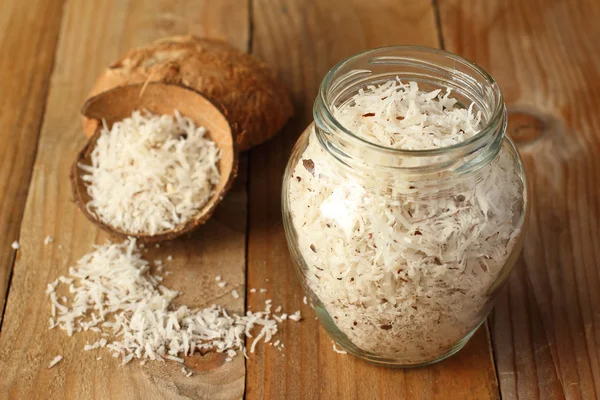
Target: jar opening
431, 69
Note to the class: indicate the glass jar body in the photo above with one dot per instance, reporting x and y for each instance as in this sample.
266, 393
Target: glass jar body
402, 252
402, 270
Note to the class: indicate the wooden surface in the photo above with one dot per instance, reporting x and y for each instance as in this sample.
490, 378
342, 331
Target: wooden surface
24, 77
546, 329
544, 336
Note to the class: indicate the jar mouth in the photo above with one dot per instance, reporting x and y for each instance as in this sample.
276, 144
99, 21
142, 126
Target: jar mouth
392, 55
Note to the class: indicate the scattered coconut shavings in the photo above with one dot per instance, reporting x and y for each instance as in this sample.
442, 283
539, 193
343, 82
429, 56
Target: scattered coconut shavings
112, 291
263, 290
48, 240
15, 245
151, 173
295, 316
55, 361
304, 300
339, 351
404, 270
235, 294
169, 258
218, 278
173, 358
252, 290
222, 284
99, 344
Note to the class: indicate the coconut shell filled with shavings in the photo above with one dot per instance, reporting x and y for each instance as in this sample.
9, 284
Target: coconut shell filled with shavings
161, 99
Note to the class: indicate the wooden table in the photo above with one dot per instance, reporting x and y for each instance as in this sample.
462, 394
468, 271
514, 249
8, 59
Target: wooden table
541, 342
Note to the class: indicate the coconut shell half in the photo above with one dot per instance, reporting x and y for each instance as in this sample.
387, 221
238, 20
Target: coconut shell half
255, 103
158, 98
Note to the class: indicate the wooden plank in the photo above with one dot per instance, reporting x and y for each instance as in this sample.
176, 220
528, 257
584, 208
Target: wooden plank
302, 41
92, 35
542, 54
523, 357
24, 78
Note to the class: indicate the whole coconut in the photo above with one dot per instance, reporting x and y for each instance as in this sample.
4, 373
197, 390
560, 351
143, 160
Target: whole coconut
254, 102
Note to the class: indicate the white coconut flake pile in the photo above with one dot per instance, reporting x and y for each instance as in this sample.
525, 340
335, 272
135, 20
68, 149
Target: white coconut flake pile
111, 290
151, 173
403, 270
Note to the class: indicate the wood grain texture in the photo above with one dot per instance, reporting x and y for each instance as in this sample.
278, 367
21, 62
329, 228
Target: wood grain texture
544, 55
218, 248
24, 79
302, 40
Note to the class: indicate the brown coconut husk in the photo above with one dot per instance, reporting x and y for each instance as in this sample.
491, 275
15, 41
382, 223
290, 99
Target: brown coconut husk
158, 98
255, 103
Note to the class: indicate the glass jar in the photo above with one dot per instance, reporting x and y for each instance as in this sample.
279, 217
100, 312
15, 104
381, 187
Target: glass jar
402, 252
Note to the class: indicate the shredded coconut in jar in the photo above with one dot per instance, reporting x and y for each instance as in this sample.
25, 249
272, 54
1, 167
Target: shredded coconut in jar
150, 173
404, 274
401, 116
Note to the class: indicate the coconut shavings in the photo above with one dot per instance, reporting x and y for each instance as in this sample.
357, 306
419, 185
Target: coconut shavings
401, 116
151, 173
15, 245
55, 361
48, 240
112, 290
403, 270
339, 351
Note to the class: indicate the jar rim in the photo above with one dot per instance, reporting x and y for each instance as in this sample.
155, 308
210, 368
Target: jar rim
488, 129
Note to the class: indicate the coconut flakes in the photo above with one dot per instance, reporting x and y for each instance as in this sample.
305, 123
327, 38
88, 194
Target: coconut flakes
151, 173
403, 275
401, 116
339, 351
55, 361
